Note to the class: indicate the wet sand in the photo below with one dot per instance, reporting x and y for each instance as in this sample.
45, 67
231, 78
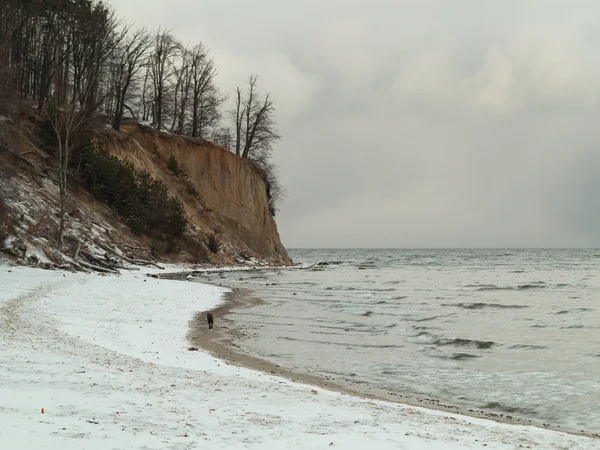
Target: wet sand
221, 343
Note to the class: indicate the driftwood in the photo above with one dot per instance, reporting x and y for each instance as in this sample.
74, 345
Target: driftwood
139, 262
96, 268
146, 249
97, 261
102, 226
78, 249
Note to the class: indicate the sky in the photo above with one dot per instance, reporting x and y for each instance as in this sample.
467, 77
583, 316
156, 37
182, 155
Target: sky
417, 123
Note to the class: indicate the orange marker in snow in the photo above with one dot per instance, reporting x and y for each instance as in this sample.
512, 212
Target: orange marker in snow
42, 410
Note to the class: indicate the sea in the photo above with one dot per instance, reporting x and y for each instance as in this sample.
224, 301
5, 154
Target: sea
509, 331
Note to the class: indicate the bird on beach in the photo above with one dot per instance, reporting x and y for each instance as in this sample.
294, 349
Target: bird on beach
210, 319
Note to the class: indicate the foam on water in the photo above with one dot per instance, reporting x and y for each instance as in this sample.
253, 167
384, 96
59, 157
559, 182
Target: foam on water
513, 331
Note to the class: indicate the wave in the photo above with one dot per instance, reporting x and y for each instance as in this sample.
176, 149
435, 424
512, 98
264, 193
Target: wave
510, 409
427, 319
460, 342
483, 305
400, 297
427, 338
328, 263
527, 347
422, 338
489, 287
461, 356
343, 344
567, 311
520, 287
534, 285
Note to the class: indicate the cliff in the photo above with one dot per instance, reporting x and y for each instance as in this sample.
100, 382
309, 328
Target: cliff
222, 195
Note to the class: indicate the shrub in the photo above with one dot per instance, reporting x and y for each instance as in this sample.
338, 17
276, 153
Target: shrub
190, 188
141, 200
213, 244
173, 166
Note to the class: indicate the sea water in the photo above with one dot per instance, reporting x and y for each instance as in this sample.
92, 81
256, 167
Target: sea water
508, 331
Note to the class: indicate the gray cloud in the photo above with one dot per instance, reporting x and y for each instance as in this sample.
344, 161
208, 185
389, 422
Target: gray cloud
418, 123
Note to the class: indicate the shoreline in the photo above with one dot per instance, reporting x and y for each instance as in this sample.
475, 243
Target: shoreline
220, 342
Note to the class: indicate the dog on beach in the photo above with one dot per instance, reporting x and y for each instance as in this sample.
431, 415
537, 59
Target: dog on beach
210, 319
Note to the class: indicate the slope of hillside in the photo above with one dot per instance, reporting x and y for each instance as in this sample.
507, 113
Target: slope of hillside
223, 195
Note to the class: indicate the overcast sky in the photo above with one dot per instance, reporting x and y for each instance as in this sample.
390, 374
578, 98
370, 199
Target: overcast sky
418, 123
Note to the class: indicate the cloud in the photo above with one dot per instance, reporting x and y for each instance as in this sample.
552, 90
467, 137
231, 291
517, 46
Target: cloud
418, 123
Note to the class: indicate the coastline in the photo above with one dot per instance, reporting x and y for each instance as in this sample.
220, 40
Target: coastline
221, 343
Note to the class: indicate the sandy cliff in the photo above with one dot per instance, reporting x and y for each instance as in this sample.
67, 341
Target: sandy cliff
222, 193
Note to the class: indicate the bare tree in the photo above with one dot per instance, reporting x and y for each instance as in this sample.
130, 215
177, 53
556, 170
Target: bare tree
161, 70
183, 81
9, 14
65, 118
222, 137
255, 135
129, 60
254, 122
206, 98
238, 115
92, 42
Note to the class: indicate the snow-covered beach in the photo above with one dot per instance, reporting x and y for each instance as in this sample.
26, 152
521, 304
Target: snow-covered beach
107, 359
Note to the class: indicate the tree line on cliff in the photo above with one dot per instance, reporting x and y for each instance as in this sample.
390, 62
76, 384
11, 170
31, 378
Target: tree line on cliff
75, 60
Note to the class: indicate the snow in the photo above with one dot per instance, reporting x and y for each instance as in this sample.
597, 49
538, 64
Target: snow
107, 359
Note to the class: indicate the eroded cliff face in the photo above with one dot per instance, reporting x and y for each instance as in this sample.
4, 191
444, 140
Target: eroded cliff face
231, 199
222, 195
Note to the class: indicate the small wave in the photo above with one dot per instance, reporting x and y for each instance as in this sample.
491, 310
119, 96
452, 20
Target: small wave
422, 338
400, 297
460, 342
462, 356
572, 327
382, 302
391, 325
518, 271
527, 347
328, 263
534, 285
483, 305
489, 287
427, 319
510, 409
367, 314
567, 311
562, 285
342, 344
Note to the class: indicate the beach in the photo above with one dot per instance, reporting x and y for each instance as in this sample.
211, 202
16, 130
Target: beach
93, 361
